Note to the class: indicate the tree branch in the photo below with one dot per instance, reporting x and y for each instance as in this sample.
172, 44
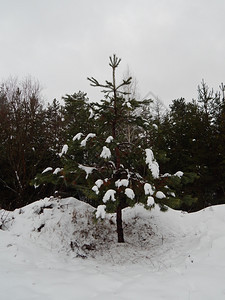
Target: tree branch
8, 187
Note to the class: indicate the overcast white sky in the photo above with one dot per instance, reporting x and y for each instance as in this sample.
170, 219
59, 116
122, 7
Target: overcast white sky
169, 45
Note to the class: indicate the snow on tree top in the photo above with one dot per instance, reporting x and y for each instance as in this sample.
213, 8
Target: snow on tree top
89, 136
47, 169
109, 139
106, 153
152, 163
121, 182
148, 189
88, 170
129, 193
77, 136
64, 150
109, 195
160, 195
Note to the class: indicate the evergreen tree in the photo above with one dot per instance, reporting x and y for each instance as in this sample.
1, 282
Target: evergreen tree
218, 165
192, 136
179, 138
78, 114
109, 168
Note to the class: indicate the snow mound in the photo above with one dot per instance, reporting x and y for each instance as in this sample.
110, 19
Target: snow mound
172, 255
70, 227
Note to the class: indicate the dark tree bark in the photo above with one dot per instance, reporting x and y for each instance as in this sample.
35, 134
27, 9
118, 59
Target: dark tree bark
119, 224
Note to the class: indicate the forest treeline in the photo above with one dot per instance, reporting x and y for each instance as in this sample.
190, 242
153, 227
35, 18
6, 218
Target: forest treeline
187, 137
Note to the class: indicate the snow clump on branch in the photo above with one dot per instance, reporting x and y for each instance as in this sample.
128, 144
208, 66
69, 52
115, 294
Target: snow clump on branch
109, 139
121, 182
57, 170
148, 189
84, 141
64, 150
150, 201
100, 213
152, 163
99, 183
77, 136
129, 193
96, 187
179, 174
88, 170
106, 153
109, 195
160, 195
47, 170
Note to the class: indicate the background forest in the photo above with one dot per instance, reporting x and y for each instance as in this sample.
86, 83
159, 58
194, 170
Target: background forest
187, 137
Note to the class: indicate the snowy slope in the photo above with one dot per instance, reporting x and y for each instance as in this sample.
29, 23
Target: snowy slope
53, 249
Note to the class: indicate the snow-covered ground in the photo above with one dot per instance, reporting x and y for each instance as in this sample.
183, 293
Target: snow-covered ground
54, 249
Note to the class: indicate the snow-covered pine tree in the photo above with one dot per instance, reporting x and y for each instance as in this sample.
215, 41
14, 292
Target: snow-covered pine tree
110, 169
118, 172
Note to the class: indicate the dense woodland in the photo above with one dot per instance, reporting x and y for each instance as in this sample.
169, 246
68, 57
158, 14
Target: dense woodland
187, 137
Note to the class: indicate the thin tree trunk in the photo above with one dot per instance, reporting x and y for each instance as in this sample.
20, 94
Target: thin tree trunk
119, 224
